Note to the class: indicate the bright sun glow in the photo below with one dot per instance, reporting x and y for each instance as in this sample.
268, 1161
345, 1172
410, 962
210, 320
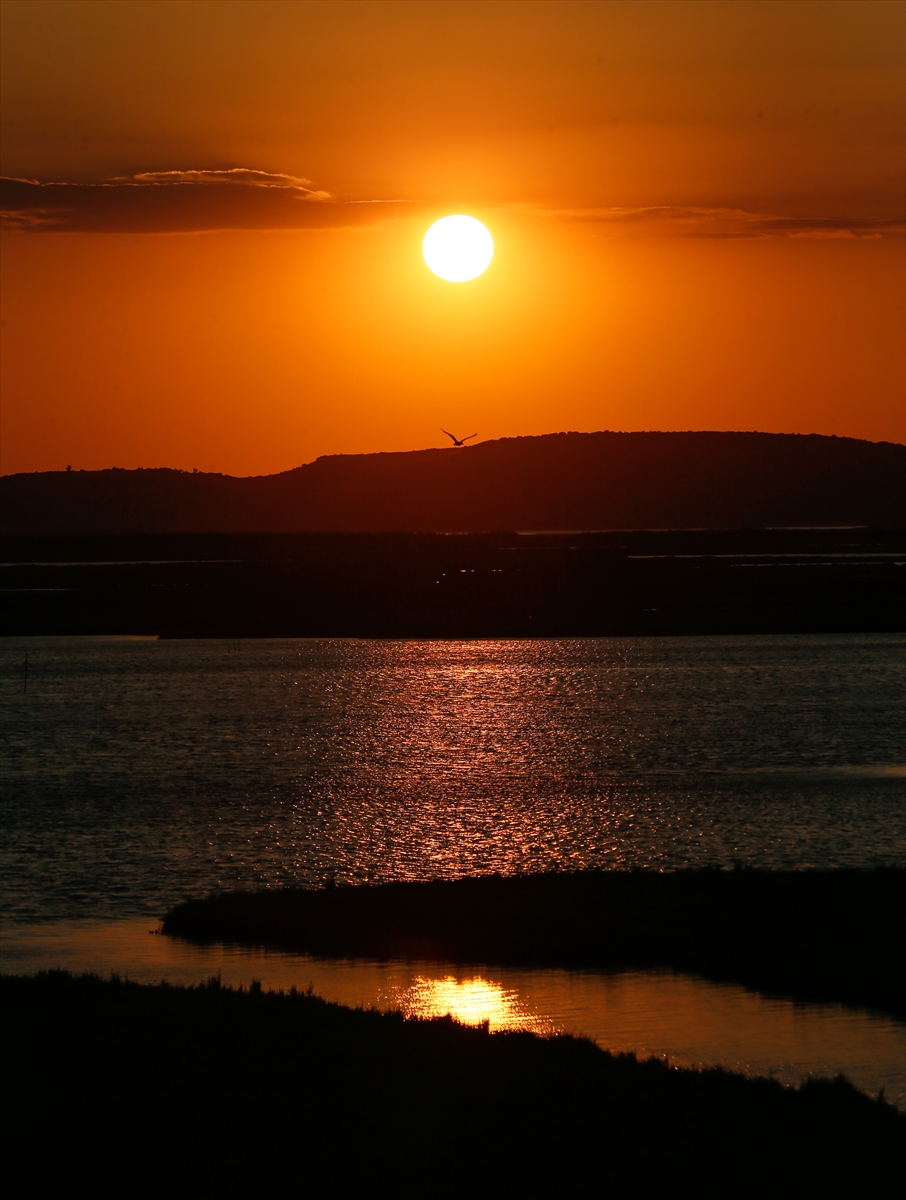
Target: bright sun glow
458, 248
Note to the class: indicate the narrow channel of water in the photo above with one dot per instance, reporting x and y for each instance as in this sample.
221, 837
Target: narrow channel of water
690, 1021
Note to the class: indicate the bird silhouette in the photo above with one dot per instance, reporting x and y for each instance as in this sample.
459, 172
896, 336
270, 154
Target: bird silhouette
459, 441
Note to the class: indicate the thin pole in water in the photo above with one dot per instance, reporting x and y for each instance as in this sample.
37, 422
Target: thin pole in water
25, 688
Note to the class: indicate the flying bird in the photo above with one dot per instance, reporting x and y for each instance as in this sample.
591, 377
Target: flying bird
459, 441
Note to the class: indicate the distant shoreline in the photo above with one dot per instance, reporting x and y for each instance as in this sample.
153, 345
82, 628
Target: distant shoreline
502, 585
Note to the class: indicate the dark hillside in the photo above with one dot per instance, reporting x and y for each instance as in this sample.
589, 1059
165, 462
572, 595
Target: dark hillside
566, 481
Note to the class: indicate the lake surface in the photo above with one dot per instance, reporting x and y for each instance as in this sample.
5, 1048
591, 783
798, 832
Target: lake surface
136, 773
690, 1021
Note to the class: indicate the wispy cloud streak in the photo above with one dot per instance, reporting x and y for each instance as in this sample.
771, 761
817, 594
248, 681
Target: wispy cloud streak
239, 176
195, 201
182, 202
693, 222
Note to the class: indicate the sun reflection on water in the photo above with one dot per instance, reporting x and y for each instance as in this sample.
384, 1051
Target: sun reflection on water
473, 1001
690, 1021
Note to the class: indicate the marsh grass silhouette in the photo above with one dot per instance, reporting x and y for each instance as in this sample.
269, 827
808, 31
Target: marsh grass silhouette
811, 935
141, 1087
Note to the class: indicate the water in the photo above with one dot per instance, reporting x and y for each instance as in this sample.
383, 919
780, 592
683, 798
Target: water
691, 1022
136, 773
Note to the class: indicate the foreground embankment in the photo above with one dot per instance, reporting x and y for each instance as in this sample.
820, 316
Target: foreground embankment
132, 1087
811, 935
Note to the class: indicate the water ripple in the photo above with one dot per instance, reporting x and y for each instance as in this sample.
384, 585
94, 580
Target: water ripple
136, 773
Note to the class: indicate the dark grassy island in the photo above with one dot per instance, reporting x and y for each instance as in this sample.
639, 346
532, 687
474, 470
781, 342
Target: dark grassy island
812, 935
114, 1085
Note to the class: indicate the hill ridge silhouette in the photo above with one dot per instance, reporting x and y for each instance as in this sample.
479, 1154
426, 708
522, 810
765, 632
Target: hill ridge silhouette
559, 481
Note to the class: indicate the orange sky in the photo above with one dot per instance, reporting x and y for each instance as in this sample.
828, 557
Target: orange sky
698, 212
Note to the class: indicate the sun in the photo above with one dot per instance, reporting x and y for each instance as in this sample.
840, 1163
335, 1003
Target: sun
458, 248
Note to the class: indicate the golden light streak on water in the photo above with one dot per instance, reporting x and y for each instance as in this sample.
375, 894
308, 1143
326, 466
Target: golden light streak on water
474, 1001
691, 1022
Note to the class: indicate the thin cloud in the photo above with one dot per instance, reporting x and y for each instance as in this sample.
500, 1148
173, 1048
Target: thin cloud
682, 221
203, 200
182, 202
245, 176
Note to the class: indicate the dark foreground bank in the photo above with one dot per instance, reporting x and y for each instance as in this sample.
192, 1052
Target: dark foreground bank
136, 1087
811, 935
